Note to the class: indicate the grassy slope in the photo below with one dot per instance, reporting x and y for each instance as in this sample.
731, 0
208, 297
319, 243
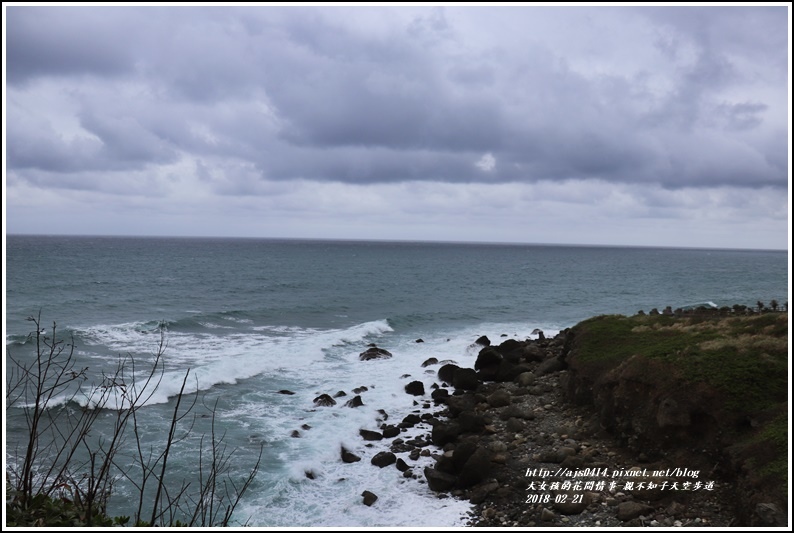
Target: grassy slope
742, 359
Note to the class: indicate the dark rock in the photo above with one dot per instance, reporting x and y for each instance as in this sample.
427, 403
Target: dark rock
295, 434
382, 459
630, 510
419, 340
359, 390
476, 468
483, 341
445, 432
447, 372
410, 421
306, 427
401, 465
478, 494
324, 400
285, 391
384, 414
417, 388
488, 357
349, 457
431, 361
460, 404
309, 474
500, 398
340, 394
405, 376
465, 379
470, 422
369, 498
370, 435
525, 379
390, 431
354, 402
553, 364
374, 353
439, 395
439, 481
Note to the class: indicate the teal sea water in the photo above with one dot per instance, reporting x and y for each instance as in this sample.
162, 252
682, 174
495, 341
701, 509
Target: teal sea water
251, 317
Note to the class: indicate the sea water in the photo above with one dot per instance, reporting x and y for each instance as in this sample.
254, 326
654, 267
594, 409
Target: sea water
249, 318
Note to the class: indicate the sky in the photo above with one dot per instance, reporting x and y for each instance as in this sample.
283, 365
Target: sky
640, 125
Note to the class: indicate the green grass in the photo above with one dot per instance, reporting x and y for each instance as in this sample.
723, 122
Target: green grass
744, 358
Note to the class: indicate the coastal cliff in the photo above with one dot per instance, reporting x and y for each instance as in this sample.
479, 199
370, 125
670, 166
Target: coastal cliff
619, 421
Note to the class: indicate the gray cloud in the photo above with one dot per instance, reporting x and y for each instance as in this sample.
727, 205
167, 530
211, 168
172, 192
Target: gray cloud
129, 100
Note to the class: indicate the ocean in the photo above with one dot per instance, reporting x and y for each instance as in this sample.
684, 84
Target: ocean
249, 318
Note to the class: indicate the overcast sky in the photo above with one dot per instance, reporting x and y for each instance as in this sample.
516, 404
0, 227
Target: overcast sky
584, 125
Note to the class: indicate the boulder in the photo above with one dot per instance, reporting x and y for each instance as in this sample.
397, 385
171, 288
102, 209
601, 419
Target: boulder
374, 353
383, 459
525, 379
439, 481
369, 498
340, 394
417, 388
389, 431
465, 379
500, 398
445, 432
349, 457
324, 400
401, 465
488, 357
410, 421
630, 510
370, 435
359, 390
483, 341
431, 361
439, 395
476, 468
354, 402
447, 372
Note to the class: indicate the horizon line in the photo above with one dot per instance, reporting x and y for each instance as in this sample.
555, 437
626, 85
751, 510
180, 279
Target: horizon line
403, 241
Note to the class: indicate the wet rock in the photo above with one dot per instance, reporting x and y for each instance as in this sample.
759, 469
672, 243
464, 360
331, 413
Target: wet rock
430, 361
416, 388
383, 459
439, 395
295, 434
419, 340
369, 498
374, 353
389, 431
439, 481
447, 372
401, 465
285, 391
465, 379
410, 421
354, 402
478, 494
483, 341
359, 390
445, 432
324, 400
349, 457
340, 394
370, 435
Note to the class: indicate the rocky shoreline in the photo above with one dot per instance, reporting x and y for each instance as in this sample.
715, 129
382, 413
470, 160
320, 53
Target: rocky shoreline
507, 436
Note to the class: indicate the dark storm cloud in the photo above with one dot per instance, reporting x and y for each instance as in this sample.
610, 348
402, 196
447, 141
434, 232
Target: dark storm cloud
365, 96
